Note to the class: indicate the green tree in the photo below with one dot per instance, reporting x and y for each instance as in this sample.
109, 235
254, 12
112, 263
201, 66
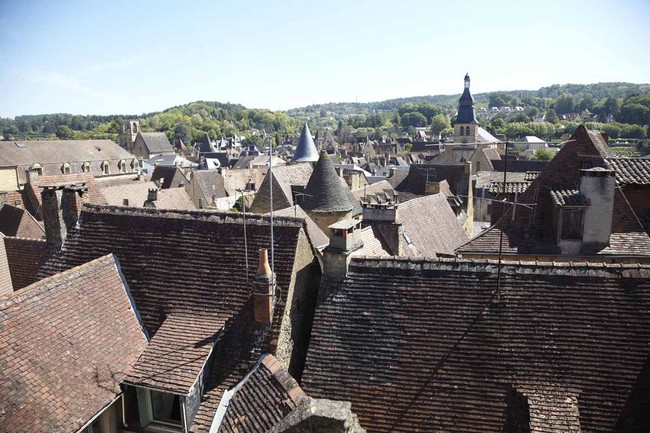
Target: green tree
634, 113
439, 123
414, 119
564, 104
183, 132
551, 116
64, 133
543, 155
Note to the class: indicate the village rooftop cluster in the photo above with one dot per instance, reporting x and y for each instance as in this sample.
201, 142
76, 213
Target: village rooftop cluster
324, 285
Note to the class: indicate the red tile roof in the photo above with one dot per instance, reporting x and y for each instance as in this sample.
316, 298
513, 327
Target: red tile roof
175, 356
262, 399
65, 341
630, 171
420, 345
25, 258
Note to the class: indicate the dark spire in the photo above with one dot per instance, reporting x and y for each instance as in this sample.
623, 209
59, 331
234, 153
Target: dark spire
466, 113
306, 149
326, 191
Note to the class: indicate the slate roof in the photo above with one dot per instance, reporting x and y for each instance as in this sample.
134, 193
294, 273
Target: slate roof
415, 181
25, 258
285, 178
156, 142
306, 149
317, 237
519, 165
210, 182
431, 226
66, 342
421, 345
374, 244
49, 152
172, 177
326, 191
630, 171
382, 187
150, 243
16, 221
177, 352
530, 233
233, 180
466, 112
261, 399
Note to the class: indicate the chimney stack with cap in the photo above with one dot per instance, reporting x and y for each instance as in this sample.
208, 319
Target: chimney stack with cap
263, 290
61, 208
598, 185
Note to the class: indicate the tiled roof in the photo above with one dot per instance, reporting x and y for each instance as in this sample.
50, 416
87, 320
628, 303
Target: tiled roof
180, 261
234, 180
49, 152
420, 345
326, 191
519, 165
262, 399
431, 225
6, 287
66, 342
210, 183
486, 178
156, 142
136, 194
568, 197
374, 244
531, 175
510, 187
177, 352
16, 221
529, 232
172, 177
419, 174
630, 171
25, 258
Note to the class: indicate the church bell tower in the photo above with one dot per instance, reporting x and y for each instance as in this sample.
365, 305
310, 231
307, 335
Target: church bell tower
466, 126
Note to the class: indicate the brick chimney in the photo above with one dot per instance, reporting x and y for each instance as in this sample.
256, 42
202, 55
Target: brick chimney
598, 185
263, 290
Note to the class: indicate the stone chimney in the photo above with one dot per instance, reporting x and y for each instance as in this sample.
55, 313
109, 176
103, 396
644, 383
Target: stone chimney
263, 290
61, 208
152, 197
384, 216
598, 185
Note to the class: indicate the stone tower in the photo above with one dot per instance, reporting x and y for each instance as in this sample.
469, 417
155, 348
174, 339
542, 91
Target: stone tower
128, 131
466, 126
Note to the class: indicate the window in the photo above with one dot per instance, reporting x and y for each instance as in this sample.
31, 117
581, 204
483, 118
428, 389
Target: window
36, 169
165, 408
65, 168
122, 166
468, 130
134, 164
478, 165
105, 168
462, 131
572, 223
85, 167
586, 165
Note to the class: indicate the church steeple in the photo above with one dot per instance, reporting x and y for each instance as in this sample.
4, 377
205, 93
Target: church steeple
466, 125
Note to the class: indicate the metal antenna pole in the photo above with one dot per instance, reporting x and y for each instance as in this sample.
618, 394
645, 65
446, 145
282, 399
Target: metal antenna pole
271, 213
243, 202
503, 211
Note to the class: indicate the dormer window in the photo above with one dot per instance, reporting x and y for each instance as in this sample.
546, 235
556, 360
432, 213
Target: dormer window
569, 213
85, 167
105, 167
65, 168
36, 169
134, 164
572, 222
122, 166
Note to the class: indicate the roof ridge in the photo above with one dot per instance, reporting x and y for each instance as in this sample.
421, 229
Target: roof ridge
359, 261
22, 238
44, 285
208, 215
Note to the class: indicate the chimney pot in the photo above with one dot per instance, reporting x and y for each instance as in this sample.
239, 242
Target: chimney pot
263, 290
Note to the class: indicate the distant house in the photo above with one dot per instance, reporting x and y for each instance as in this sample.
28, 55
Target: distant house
150, 144
573, 210
23, 161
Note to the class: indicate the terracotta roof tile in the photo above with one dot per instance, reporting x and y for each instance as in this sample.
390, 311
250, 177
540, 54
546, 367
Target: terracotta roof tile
66, 341
421, 345
25, 258
630, 171
262, 399
177, 352
510, 187
568, 197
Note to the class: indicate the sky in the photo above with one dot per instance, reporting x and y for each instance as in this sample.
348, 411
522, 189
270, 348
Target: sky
137, 56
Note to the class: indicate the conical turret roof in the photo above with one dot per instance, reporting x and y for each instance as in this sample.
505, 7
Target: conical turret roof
306, 149
326, 191
466, 112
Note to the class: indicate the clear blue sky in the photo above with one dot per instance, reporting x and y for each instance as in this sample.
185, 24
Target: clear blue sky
131, 57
